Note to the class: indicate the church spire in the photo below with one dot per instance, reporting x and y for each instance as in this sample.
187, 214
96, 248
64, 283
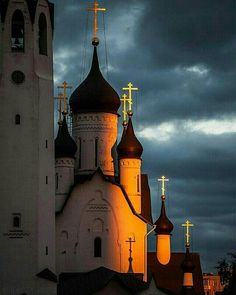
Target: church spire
163, 230
64, 144
95, 9
129, 146
188, 265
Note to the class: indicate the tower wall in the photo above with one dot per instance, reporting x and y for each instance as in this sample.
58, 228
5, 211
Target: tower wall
27, 220
95, 135
130, 179
64, 180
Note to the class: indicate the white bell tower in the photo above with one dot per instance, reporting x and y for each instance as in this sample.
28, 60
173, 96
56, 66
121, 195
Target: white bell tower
27, 204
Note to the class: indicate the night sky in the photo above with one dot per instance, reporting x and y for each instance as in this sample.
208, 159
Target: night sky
182, 56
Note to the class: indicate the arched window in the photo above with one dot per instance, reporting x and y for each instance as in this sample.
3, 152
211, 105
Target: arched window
17, 119
96, 151
16, 220
43, 35
98, 247
17, 32
80, 151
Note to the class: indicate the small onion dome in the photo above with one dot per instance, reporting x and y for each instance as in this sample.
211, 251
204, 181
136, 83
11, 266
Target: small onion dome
163, 224
187, 264
64, 144
129, 146
94, 94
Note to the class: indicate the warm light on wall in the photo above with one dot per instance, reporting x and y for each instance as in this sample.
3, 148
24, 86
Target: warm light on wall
163, 248
188, 279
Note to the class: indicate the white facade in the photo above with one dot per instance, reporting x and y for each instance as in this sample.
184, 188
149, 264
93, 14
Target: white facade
98, 208
130, 179
64, 178
95, 135
27, 221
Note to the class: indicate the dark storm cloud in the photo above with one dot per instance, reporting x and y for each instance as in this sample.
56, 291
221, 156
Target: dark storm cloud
186, 32
181, 55
202, 188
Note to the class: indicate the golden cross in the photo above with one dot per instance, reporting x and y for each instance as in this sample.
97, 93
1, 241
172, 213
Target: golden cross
130, 88
95, 9
163, 179
64, 86
60, 98
187, 224
124, 99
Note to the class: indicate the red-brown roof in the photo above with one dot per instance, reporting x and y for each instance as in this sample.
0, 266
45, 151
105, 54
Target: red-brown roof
146, 210
170, 277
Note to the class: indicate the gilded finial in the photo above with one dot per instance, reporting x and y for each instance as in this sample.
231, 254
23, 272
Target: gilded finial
187, 224
64, 86
95, 9
124, 99
163, 179
130, 88
60, 99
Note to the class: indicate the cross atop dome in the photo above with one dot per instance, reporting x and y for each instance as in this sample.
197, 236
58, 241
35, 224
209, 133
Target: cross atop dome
187, 224
95, 9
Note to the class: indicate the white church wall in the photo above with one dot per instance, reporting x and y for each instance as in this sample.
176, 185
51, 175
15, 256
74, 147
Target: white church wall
130, 179
64, 178
25, 162
93, 129
90, 204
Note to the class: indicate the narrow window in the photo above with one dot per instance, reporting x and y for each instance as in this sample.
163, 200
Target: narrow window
57, 180
46, 180
17, 32
46, 144
80, 147
138, 183
46, 250
42, 34
16, 220
17, 119
96, 151
97, 247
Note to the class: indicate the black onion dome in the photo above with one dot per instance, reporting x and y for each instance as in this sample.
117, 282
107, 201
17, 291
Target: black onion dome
129, 146
94, 94
163, 224
64, 143
187, 264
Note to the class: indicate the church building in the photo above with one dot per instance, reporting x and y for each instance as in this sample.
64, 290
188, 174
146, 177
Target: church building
75, 211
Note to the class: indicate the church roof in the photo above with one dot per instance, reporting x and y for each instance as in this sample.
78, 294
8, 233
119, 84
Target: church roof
96, 280
170, 276
163, 224
64, 143
129, 146
145, 215
94, 94
146, 208
32, 5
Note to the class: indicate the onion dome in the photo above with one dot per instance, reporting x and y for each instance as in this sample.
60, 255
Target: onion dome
163, 224
129, 146
94, 94
187, 264
64, 143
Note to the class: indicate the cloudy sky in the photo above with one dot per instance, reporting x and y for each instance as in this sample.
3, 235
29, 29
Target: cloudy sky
182, 56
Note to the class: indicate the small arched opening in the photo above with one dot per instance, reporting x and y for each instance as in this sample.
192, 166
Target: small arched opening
43, 35
97, 247
17, 32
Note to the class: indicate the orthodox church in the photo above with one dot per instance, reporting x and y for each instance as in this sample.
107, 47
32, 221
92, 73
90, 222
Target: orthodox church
75, 212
